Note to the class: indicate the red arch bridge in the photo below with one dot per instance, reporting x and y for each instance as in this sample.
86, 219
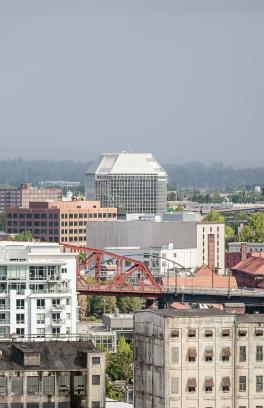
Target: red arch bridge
104, 273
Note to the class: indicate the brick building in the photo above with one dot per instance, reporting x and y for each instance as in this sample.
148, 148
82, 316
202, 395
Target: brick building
26, 193
57, 221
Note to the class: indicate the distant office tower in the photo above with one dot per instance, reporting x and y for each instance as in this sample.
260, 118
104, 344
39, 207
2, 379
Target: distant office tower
134, 182
198, 359
38, 295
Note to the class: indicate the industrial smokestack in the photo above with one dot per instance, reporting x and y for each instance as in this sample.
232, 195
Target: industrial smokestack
243, 250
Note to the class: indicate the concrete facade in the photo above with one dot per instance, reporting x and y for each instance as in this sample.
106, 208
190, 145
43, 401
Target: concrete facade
198, 359
51, 375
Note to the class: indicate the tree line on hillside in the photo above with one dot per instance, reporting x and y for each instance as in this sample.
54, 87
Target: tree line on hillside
189, 175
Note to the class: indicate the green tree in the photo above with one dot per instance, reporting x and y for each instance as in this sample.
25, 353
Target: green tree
128, 304
256, 222
229, 233
23, 236
97, 305
119, 365
214, 216
246, 234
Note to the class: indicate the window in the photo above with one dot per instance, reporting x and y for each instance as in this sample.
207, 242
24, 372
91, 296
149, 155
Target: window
20, 304
208, 333
40, 332
20, 331
242, 383
95, 404
55, 330
40, 303
192, 354
20, 318
208, 384
226, 354
259, 383
3, 385
55, 302
242, 354
226, 384
96, 360
259, 332
191, 333
226, 333
242, 332
259, 353
32, 385
40, 318
96, 379
175, 333
49, 385
209, 353
191, 385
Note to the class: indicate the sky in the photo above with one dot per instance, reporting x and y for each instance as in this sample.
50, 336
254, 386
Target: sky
183, 79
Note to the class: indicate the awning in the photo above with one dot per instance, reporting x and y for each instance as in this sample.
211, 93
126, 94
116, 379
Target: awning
226, 352
175, 333
192, 352
209, 382
226, 332
259, 332
226, 381
192, 382
208, 352
191, 332
208, 332
242, 332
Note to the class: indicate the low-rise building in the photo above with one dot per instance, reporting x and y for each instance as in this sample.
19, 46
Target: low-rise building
57, 221
51, 375
208, 238
198, 359
38, 294
121, 323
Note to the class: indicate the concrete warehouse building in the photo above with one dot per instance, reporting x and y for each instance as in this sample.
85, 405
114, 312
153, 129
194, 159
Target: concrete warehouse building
134, 182
198, 359
51, 375
205, 237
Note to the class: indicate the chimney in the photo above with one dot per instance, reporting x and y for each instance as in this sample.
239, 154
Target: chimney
211, 251
243, 250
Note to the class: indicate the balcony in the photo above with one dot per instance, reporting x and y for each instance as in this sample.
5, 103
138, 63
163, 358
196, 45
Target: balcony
57, 322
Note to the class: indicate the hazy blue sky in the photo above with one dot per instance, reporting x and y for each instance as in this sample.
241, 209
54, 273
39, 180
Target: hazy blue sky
183, 79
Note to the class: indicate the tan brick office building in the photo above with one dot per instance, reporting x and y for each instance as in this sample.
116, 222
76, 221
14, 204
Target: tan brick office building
57, 221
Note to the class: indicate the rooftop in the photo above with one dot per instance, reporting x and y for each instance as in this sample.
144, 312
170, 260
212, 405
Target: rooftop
187, 312
126, 163
54, 355
253, 265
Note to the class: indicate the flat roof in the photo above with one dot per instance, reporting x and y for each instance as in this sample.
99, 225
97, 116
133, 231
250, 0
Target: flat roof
187, 312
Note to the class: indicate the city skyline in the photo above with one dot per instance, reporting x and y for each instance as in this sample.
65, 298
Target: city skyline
183, 81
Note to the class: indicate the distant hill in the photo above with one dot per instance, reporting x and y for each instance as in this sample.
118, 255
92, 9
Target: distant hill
190, 175
216, 176
18, 171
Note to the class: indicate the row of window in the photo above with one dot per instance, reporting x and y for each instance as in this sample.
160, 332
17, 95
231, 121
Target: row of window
209, 354
209, 384
88, 215
192, 333
31, 215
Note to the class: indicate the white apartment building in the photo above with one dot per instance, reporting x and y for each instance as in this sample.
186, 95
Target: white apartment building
198, 359
161, 260
37, 290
